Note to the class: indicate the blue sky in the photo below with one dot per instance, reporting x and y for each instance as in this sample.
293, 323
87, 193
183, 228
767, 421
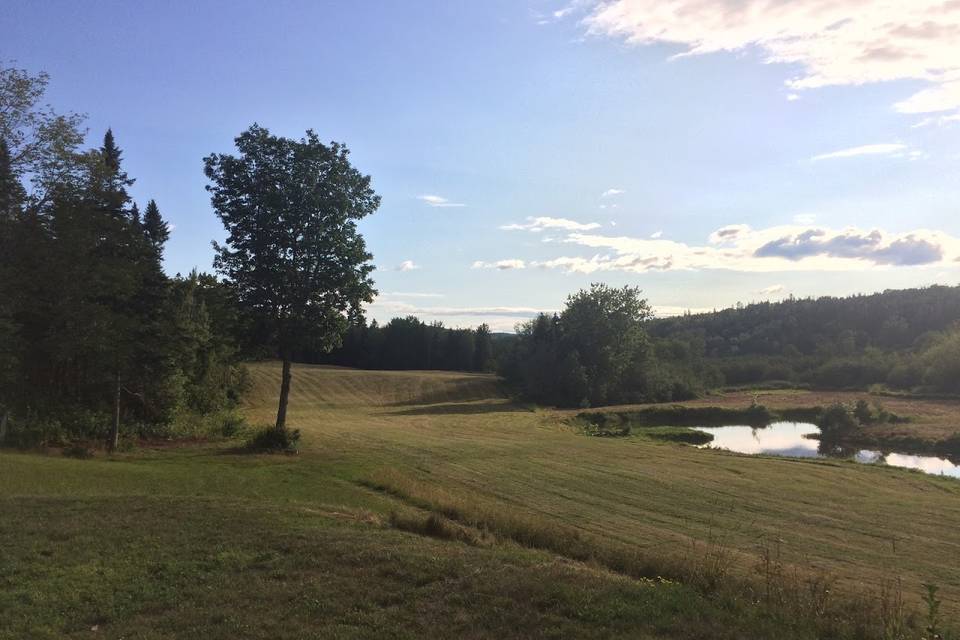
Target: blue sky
705, 154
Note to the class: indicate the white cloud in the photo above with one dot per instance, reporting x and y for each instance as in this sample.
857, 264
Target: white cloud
831, 42
739, 247
539, 224
771, 290
439, 201
662, 311
937, 120
864, 150
499, 318
656, 234
804, 218
793, 97
609, 193
501, 265
406, 294
407, 265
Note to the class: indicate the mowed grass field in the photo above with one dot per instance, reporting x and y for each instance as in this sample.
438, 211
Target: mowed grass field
200, 540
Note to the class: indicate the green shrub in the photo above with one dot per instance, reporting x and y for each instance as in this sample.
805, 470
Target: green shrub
270, 440
837, 420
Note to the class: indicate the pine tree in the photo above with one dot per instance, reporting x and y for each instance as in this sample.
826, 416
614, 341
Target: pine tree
483, 349
155, 228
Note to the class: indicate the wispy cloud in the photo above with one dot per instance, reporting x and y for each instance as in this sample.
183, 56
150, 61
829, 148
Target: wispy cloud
771, 290
407, 265
831, 42
864, 150
439, 201
542, 223
408, 294
739, 247
502, 265
656, 234
609, 193
937, 120
499, 318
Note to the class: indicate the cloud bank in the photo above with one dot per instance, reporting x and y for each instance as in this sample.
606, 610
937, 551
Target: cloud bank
831, 42
739, 247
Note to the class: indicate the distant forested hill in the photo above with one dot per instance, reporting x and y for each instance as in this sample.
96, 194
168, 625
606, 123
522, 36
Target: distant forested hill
898, 337
889, 320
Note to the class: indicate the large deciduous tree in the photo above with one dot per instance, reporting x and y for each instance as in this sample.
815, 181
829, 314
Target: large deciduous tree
293, 252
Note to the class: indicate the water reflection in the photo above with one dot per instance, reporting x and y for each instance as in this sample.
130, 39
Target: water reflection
791, 439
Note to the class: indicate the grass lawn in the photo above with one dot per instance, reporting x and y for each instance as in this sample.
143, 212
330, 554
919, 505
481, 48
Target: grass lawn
200, 541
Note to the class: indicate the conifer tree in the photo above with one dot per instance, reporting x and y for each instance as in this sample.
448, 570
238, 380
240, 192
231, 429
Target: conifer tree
155, 228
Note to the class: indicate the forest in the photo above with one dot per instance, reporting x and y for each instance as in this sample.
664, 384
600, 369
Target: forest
904, 339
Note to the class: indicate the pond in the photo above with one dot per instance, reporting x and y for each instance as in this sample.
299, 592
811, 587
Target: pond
791, 439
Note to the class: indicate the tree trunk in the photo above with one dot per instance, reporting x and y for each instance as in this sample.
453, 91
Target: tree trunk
115, 431
284, 396
3, 425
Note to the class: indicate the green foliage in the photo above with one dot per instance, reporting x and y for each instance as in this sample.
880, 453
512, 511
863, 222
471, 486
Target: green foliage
273, 440
89, 323
678, 434
408, 343
837, 420
680, 416
293, 253
596, 351
898, 338
941, 363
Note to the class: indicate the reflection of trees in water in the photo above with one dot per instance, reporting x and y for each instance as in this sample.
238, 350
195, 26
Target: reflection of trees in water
837, 449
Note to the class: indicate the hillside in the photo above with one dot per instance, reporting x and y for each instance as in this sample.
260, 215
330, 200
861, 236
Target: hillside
538, 530
890, 320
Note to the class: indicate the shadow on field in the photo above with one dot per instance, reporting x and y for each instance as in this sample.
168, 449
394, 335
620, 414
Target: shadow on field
460, 408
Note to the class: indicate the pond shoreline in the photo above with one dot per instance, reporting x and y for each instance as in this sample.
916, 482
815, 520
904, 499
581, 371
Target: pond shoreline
619, 422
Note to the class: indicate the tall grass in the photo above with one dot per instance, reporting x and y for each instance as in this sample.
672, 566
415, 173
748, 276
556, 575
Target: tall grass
788, 593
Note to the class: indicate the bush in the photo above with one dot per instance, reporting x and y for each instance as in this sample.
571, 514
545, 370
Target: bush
837, 420
270, 440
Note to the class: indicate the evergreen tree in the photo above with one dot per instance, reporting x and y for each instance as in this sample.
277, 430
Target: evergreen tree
155, 228
483, 349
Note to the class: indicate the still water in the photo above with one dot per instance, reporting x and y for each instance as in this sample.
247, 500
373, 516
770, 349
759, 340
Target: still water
789, 439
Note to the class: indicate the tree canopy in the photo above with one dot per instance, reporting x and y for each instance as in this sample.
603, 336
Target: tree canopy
293, 252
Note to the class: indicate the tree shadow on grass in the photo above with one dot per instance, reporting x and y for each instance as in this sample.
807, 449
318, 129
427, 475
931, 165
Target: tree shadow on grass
461, 408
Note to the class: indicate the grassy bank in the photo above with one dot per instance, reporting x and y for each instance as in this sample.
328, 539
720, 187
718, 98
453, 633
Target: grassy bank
537, 530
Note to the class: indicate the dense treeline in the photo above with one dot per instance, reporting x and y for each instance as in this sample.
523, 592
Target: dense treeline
93, 334
597, 351
408, 343
902, 339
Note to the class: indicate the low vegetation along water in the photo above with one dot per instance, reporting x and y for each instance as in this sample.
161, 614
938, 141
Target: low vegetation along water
801, 440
